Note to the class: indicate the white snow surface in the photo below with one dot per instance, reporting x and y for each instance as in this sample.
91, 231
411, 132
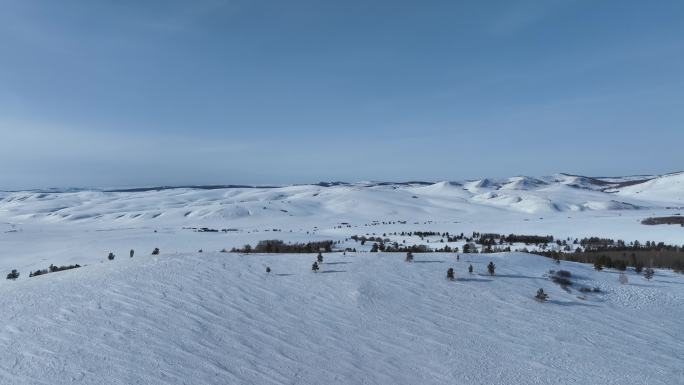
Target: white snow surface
218, 318
185, 317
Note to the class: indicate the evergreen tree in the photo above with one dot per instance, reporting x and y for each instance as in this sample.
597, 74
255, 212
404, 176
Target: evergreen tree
409, 257
132, 252
319, 258
470, 269
314, 267
541, 296
450, 274
268, 269
14, 274
110, 256
491, 268
155, 251
648, 273
638, 267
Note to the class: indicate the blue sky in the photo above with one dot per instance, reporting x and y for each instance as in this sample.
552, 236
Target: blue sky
125, 93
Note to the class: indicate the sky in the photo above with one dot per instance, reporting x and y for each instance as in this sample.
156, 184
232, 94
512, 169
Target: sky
147, 93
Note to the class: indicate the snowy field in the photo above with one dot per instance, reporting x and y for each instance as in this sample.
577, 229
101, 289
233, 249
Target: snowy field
184, 317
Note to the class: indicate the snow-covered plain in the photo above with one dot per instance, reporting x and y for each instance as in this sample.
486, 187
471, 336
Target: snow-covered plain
185, 317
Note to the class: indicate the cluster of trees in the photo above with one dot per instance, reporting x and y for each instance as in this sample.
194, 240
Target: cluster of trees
492, 239
363, 239
51, 269
212, 230
607, 244
668, 257
451, 275
396, 248
279, 246
672, 220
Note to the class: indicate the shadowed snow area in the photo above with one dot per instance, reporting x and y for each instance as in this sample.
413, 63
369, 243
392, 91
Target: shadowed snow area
218, 318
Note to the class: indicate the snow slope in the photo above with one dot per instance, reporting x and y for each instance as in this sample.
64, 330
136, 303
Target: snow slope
664, 188
216, 318
213, 318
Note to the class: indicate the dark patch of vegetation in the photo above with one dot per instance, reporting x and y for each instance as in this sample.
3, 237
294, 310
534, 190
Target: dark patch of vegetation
648, 273
53, 269
541, 296
672, 220
279, 246
617, 254
397, 248
491, 267
14, 274
212, 230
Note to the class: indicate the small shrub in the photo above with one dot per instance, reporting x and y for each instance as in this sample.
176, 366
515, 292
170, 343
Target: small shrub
268, 270
14, 274
319, 258
541, 296
314, 267
409, 257
491, 267
470, 269
132, 252
648, 273
110, 256
450, 274
155, 251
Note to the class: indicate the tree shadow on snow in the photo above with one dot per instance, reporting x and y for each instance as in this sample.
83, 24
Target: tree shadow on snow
428, 262
333, 271
515, 276
473, 280
337, 263
562, 303
284, 275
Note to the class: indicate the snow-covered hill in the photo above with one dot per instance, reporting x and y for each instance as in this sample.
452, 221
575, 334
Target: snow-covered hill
216, 318
185, 317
